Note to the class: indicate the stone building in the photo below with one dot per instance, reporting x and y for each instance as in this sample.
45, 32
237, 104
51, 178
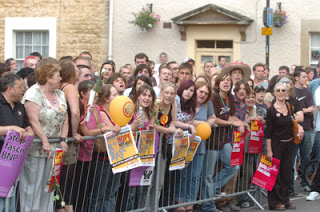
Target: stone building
202, 29
54, 28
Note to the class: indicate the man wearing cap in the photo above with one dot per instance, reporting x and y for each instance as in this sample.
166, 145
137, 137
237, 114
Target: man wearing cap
260, 105
237, 71
258, 72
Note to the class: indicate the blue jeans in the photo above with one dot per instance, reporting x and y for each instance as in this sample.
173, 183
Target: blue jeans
305, 150
210, 184
12, 204
105, 187
188, 180
316, 146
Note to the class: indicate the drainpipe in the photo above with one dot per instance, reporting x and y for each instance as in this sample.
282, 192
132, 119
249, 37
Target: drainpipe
110, 29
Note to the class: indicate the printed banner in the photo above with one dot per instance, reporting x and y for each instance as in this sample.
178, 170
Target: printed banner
256, 137
238, 148
12, 157
192, 150
146, 148
142, 176
122, 151
180, 148
266, 174
56, 169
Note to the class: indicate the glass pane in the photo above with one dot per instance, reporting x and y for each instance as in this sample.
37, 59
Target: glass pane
28, 37
315, 40
205, 58
222, 44
19, 37
19, 52
315, 56
36, 37
45, 51
205, 43
45, 38
20, 64
37, 49
27, 50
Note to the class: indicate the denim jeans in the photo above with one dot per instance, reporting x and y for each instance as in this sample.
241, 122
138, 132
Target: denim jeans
210, 184
105, 187
12, 204
188, 180
305, 150
316, 146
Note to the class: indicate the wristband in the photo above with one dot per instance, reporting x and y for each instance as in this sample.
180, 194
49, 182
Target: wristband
63, 140
231, 124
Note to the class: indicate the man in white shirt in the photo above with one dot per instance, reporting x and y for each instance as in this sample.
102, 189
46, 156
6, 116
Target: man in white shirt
165, 75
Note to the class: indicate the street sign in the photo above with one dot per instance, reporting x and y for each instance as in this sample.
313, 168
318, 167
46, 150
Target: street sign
267, 17
266, 31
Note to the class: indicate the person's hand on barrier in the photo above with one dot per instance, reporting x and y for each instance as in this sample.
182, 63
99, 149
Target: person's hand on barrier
47, 148
193, 132
260, 118
171, 130
269, 155
179, 132
21, 131
115, 129
64, 146
78, 138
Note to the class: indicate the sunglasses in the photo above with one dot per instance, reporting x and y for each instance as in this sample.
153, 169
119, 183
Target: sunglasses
282, 90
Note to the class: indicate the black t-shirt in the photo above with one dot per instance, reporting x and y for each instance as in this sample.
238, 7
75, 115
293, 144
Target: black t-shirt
261, 110
15, 116
304, 96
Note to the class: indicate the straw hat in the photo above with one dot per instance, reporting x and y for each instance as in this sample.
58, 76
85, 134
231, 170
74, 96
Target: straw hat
246, 70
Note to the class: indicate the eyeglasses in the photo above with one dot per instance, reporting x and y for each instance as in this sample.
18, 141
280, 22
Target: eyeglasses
282, 90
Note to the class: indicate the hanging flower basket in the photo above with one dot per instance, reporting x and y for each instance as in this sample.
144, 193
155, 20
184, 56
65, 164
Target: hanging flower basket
279, 18
145, 19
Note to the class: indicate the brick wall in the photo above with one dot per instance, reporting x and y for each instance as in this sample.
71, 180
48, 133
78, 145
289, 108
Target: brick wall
82, 25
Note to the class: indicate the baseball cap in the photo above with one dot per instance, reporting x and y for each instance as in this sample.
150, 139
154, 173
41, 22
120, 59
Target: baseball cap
259, 88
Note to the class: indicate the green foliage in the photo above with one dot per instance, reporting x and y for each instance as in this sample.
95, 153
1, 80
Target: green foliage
145, 19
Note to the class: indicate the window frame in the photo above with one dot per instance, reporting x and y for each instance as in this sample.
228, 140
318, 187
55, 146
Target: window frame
29, 24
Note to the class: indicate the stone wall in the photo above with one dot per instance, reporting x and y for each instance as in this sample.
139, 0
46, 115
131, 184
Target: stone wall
82, 25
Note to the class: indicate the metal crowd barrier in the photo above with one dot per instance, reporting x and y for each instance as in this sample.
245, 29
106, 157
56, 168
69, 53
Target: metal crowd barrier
91, 186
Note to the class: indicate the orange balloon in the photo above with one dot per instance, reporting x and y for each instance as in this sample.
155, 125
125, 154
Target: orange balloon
121, 110
203, 130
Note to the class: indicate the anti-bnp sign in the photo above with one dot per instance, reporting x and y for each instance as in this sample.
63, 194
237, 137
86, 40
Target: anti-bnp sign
12, 156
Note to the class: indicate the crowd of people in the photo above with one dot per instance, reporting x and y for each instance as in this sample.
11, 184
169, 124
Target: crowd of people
49, 98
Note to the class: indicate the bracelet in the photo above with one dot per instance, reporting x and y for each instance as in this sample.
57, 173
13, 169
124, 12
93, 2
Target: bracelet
231, 124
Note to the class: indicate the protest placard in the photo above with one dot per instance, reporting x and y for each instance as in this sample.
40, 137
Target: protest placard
122, 150
192, 150
266, 174
54, 178
256, 137
180, 147
12, 157
238, 148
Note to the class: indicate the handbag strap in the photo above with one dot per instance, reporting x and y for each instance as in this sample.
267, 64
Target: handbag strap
289, 108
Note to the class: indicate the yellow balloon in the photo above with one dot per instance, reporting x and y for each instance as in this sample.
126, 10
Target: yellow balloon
203, 130
121, 110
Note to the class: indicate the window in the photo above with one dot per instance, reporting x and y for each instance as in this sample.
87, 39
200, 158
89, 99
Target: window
315, 48
28, 42
215, 44
26, 35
